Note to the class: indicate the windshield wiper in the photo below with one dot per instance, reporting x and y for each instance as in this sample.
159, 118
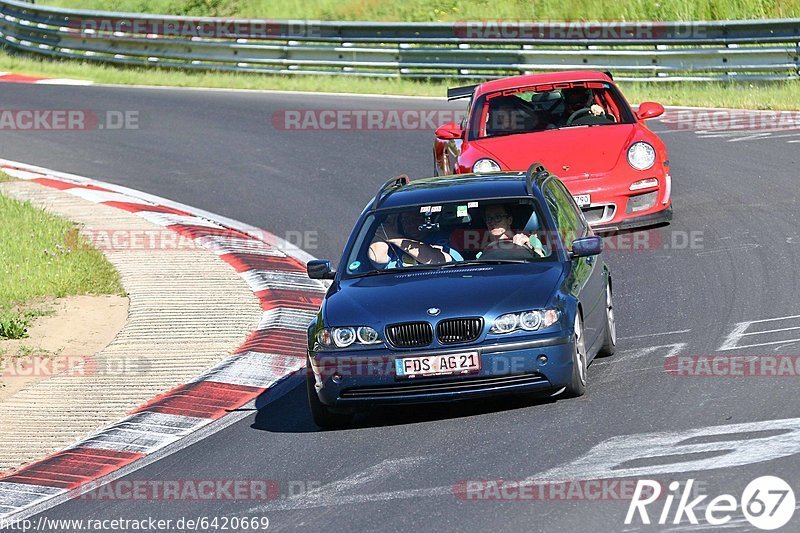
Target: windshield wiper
441, 265
378, 272
486, 262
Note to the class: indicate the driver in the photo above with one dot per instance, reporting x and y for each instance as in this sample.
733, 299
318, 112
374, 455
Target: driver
579, 98
498, 221
399, 241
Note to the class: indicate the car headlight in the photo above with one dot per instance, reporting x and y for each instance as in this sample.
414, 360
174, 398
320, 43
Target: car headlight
641, 155
347, 336
367, 335
344, 337
486, 165
530, 320
324, 338
505, 324
526, 320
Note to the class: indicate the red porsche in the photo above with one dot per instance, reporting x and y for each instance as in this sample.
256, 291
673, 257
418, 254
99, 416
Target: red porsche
577, 124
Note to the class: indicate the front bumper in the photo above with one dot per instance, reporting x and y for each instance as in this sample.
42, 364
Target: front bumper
614, 206
659, 217
348, 381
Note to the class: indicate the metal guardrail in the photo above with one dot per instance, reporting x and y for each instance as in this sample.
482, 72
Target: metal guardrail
641, 51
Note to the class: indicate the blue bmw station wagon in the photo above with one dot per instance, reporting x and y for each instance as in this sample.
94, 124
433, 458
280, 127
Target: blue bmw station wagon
459, 287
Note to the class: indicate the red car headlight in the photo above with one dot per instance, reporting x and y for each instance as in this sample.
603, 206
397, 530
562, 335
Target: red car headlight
641, 155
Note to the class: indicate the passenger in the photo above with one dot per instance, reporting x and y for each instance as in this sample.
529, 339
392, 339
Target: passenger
400, 241
498, 221
505, 116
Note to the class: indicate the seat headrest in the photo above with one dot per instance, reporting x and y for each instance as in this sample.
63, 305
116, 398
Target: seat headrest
532, 224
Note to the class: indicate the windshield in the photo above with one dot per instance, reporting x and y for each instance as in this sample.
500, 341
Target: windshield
547, 107
450, 234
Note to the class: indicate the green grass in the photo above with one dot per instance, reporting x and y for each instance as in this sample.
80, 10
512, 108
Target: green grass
454, 10
42, 256
24, 64
773, 95
783, 95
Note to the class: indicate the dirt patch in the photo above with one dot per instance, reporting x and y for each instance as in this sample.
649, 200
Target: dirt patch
78, 327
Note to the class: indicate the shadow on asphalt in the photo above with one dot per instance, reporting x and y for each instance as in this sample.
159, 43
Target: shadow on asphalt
289, 413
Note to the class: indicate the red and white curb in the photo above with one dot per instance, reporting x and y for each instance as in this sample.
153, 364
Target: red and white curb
274, 270
10, 77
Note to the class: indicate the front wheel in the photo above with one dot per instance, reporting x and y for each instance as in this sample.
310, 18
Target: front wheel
577, 386
610, 337
323, 417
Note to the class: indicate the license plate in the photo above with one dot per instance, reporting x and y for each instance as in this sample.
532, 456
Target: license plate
583, 200
438, 365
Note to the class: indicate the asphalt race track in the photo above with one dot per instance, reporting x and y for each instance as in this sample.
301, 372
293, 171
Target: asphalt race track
735, 200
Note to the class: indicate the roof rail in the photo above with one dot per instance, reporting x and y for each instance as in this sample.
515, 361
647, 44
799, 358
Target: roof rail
536, 170
386, 188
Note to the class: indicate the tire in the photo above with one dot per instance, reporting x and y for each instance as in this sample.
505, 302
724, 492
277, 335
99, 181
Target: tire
610, 336
577, 386
323, 417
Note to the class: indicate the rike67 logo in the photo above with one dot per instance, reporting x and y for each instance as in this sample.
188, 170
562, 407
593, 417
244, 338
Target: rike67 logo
767, 503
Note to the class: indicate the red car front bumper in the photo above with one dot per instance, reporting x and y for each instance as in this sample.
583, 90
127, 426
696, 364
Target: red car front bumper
614, 206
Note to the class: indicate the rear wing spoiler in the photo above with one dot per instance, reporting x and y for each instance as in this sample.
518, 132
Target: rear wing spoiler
457, 93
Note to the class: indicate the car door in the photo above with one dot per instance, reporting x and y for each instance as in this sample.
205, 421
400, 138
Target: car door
586, 272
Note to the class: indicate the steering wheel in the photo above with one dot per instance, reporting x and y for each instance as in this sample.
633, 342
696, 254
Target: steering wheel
507, 250
578, 113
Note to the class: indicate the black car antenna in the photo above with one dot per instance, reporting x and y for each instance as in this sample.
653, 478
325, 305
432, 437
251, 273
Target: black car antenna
386, 188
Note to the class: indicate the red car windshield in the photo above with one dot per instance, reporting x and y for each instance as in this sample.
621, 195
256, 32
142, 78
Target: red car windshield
546, 107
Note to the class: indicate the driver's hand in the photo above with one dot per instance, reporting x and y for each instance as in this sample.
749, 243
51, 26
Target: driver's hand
597, 110
520, 239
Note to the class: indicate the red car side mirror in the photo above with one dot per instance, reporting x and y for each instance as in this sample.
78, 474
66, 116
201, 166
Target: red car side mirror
449, 131
649, 110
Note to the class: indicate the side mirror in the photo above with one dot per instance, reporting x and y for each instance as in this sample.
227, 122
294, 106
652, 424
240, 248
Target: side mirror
586, 246
449, 131
649, 110
320, 269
